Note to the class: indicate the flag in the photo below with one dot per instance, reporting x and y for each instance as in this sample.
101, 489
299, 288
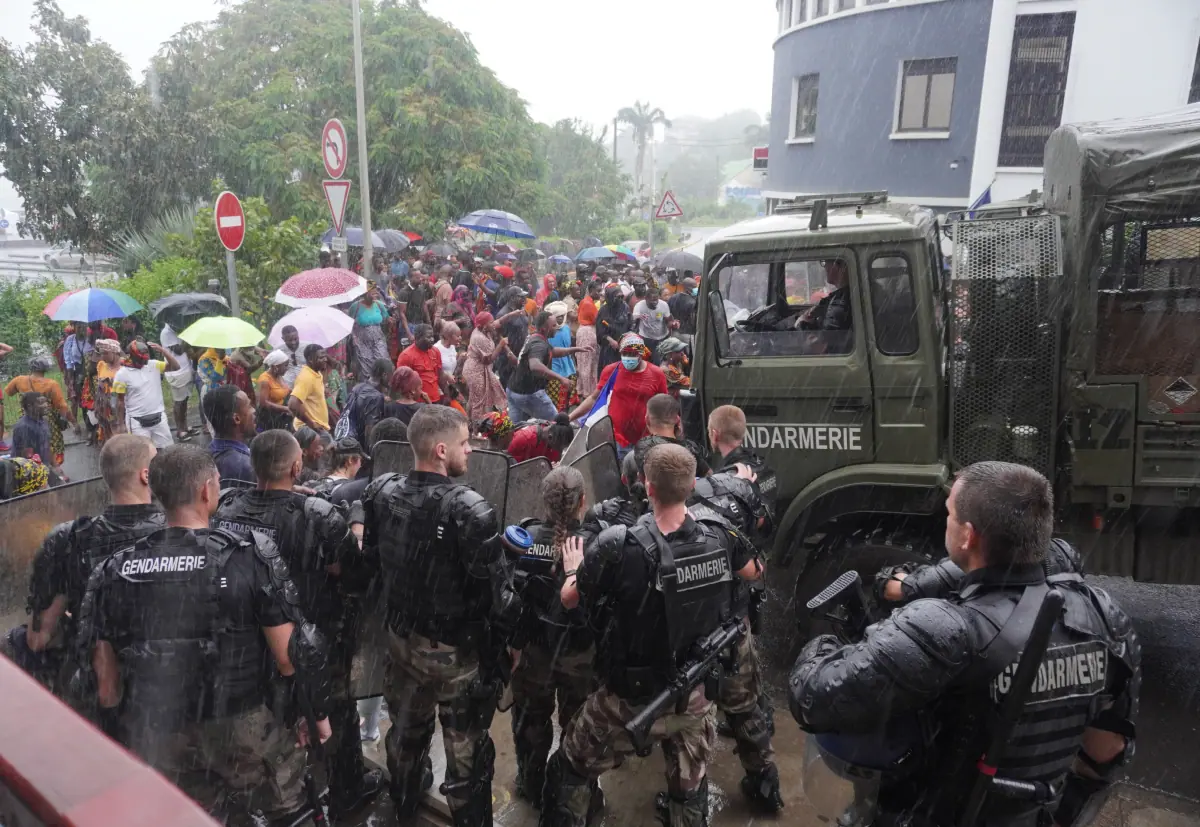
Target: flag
983, 200
600, 409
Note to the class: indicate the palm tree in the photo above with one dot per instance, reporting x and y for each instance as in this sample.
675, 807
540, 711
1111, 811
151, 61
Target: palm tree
642, 119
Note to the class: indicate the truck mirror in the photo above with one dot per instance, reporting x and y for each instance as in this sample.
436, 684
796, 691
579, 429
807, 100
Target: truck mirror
720, 323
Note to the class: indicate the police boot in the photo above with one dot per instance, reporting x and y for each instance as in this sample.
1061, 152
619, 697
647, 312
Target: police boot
762, 789
345, 799
408, 791
531, 776
567, 798
689, 810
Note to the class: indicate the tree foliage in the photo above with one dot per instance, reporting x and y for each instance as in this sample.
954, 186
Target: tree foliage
642, 119
584, 188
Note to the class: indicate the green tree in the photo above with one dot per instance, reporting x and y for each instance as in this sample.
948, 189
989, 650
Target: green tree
583, 187
642, 120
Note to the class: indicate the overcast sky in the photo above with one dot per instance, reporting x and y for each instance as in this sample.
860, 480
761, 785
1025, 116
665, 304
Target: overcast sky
566, 58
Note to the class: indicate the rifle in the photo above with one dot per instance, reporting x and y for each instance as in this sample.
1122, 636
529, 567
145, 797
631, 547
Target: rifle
844, 603
703, 667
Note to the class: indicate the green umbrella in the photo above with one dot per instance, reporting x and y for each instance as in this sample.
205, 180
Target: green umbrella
222, 332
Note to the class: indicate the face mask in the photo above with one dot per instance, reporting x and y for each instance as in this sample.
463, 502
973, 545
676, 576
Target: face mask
630, 362
695, 291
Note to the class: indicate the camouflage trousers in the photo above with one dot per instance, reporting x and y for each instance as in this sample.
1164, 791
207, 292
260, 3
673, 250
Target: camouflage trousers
424, 677
541, 677
750, 715
250, 754
343, 750
596, 741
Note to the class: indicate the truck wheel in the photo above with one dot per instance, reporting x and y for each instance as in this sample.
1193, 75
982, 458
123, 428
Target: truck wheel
863, 550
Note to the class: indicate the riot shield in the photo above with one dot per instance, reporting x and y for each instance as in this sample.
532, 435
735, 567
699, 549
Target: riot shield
487, 473
600, 432
525, 489
391, 458
601, 473
577, 448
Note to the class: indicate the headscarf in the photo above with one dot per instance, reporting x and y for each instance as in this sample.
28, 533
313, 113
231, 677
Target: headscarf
139, 354
462, 298
546, 290
108, 346
504, 271
632, 344
482, 320
40, 364
496, 424
275, 358
406, 381
559, 310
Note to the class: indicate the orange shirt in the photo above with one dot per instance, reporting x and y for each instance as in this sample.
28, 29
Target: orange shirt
428, 365
46, 387
587, 311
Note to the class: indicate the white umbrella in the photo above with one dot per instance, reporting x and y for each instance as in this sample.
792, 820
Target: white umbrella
324, 326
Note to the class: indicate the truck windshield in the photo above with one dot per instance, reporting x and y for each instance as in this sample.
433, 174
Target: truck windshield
788, 305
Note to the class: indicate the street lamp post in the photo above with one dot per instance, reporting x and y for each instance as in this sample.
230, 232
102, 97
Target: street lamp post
363, 165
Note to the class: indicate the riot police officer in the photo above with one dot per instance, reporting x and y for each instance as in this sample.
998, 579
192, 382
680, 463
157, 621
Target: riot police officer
664, 424
315, 540
652, 633
742, 697
726, 433
179, 626
451, 608
948, 663
73, 549
557, 644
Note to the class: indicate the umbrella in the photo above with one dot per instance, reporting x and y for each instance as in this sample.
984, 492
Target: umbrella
181, 309
497, 222
354, 237
221, 332
504, 248
506, 257
57, 301
95, 303
680, 261
623, 253
411, 236
393, 240
442, 249
324, 326
596, 254
559, 259
323, 287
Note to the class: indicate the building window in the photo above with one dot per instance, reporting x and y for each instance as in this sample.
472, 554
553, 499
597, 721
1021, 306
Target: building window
820, 8
875, 2
845, 5
785, 14
926, 95
1037, 84
801, 12
1194, 94
804, 106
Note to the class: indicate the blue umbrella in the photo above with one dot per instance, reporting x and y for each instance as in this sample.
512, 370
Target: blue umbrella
560, 259
94, 304
497, 222
354, 237
596, 254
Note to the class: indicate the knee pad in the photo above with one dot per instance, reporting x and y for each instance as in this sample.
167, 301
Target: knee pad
753, 727
475, 790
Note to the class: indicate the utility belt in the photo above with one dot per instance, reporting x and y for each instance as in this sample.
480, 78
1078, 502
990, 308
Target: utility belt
454, 633
636, 684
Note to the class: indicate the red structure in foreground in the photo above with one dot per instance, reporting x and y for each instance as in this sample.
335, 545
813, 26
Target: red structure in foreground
56, 770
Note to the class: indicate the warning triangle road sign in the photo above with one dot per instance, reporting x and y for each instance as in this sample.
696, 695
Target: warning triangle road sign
337, 193
669, 208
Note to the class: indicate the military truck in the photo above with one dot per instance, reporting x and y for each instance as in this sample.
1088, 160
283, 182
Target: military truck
1063, 334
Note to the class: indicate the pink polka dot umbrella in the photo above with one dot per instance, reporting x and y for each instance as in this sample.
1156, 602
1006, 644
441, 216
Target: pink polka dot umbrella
323, 287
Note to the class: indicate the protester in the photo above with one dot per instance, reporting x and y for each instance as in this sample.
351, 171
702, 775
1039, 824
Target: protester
514, 327
633, 382
547, 292
273, 413
497, 429
231, 417
239, 365
180, 381
293, 349
333, 374
585, 338
31, 432
99, 330
652, 319
683, 306
210, 367
420, 294
313, 446
562, 393
308, 403
104, 402
364, 407
460, 311
484, 392
613, 321
19, 476
370, 344
443, 293
542, 439
138, 390
447, 348
527, 396
406, 393
426, 360
75, 357
59, 415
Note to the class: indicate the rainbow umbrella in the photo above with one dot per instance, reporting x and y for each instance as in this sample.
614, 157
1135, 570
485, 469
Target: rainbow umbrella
57, 301
623, 253
95, 303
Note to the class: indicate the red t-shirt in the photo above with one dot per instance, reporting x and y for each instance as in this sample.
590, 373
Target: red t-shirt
526, 445
428, 365
627, 403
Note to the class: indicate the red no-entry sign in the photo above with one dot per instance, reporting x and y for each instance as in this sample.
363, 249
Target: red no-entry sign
231, 221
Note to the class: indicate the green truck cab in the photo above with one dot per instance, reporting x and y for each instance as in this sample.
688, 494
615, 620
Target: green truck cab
1064, 333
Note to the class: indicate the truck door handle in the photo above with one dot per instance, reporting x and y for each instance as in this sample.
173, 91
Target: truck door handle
760, 410
851, 404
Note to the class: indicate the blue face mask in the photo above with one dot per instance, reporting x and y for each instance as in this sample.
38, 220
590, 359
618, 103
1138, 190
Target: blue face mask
630, 362
695, 291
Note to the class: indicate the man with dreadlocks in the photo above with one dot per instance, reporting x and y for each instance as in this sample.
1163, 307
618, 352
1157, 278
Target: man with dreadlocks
558, 646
